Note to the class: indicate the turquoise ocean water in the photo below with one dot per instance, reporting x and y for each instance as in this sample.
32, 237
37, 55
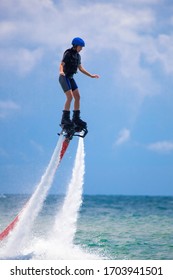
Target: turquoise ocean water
107, 227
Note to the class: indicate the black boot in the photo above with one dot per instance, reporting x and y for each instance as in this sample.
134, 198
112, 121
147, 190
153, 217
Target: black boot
66, 118
77, 120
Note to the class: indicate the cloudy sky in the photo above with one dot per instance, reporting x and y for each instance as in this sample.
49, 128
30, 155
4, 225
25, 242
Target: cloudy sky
129, 110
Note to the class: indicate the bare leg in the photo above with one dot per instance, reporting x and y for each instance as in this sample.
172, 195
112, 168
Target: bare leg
76, 96
76, 113
69, 96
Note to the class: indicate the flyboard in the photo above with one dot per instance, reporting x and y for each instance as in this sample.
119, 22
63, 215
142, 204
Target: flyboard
68, 131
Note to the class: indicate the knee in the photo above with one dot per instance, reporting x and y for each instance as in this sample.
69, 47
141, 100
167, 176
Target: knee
76, 96
69, 98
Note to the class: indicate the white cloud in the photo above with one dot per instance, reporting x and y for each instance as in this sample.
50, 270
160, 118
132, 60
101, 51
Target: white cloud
21, 60
137, 2
128, 29
124, 136
162, 146
160, 49
7, 108
7, 29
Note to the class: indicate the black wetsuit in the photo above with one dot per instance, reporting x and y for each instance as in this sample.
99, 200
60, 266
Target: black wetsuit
72, 60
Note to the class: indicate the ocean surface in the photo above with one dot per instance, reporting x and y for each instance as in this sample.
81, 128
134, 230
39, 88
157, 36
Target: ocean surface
78, 227
103, 227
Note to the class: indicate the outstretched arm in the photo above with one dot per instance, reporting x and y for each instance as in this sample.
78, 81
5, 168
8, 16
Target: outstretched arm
87, 73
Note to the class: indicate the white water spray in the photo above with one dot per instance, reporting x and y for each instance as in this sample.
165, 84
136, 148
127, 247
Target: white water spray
60, 242
66, 219
60, 245
20, 234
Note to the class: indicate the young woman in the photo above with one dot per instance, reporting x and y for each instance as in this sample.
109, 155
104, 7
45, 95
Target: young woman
69, 65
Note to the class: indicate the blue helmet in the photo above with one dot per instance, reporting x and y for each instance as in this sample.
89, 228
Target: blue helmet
78, 42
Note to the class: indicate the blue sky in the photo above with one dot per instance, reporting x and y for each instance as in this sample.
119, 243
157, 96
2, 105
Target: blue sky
129, 110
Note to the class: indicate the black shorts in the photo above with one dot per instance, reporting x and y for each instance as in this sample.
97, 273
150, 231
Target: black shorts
67, 83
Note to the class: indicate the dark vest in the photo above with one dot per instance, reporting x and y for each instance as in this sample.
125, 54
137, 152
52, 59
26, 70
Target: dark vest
72, 60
